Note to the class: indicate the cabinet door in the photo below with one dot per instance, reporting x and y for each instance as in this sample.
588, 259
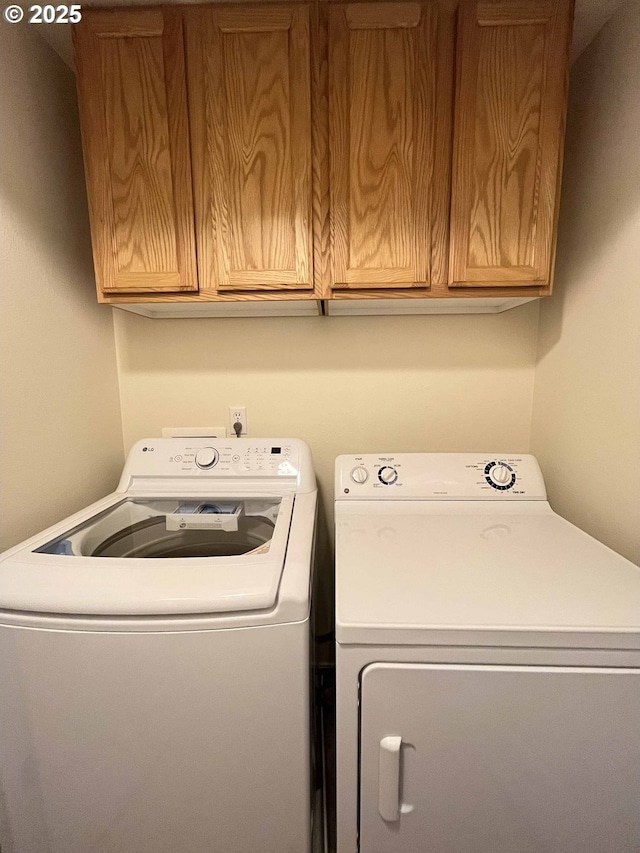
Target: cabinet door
509, 128
389, 126
133, 109
499, 759
250, 112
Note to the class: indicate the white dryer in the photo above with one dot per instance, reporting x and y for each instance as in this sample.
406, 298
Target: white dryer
154, 660
488, 664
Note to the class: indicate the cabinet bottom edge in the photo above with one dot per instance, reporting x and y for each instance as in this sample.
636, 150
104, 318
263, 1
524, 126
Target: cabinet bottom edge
325, 307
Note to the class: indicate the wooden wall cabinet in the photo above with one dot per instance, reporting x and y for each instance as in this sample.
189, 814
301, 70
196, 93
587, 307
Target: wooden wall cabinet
250, 111
509, 129
133, 113
392, 180
390, 75
325, 151
223, 187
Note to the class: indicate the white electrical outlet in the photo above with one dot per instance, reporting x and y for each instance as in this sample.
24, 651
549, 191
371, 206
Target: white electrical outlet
237, 414
194, 432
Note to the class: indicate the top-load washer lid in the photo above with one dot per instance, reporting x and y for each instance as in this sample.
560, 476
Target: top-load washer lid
155, 556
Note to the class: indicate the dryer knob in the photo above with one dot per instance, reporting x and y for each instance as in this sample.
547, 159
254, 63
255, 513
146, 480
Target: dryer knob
206, 457
500, 474
387, 475
360, 474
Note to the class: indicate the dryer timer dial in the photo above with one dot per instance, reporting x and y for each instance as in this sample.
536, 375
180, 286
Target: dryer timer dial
500, 476
387, 475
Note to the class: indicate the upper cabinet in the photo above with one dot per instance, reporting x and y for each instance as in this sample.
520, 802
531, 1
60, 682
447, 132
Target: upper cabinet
390, 73
509, 129
333, 150
133, 112
250, 115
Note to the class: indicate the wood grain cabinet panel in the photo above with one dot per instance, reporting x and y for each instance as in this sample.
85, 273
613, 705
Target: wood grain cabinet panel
509, 120
388, 175
250, 112
132, 96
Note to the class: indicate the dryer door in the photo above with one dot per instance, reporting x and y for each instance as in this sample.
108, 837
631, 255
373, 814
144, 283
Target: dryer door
472, 759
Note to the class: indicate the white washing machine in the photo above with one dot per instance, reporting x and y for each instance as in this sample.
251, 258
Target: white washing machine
154, 660
488, 664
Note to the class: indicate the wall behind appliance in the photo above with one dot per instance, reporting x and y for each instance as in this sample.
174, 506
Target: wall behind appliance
586, 413
61, 442
343, 384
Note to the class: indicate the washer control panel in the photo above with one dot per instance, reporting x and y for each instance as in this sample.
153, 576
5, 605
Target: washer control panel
439, 476
253, 458
220, 459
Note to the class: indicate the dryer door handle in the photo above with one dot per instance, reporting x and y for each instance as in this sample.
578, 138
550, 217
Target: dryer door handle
389, 778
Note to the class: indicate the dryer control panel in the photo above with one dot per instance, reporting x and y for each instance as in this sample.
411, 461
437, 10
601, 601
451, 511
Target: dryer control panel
439, 476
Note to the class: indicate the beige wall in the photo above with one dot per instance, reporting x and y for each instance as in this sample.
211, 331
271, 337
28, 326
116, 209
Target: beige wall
343, 384
586, 415
61, 439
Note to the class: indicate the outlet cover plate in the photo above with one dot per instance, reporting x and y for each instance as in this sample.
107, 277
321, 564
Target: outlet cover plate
238, 413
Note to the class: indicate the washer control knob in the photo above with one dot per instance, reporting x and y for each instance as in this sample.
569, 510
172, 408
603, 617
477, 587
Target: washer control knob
206, 457
387, 475
500, 474
359, 474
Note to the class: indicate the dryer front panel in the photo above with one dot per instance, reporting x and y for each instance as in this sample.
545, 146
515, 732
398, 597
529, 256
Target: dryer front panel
462, 759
